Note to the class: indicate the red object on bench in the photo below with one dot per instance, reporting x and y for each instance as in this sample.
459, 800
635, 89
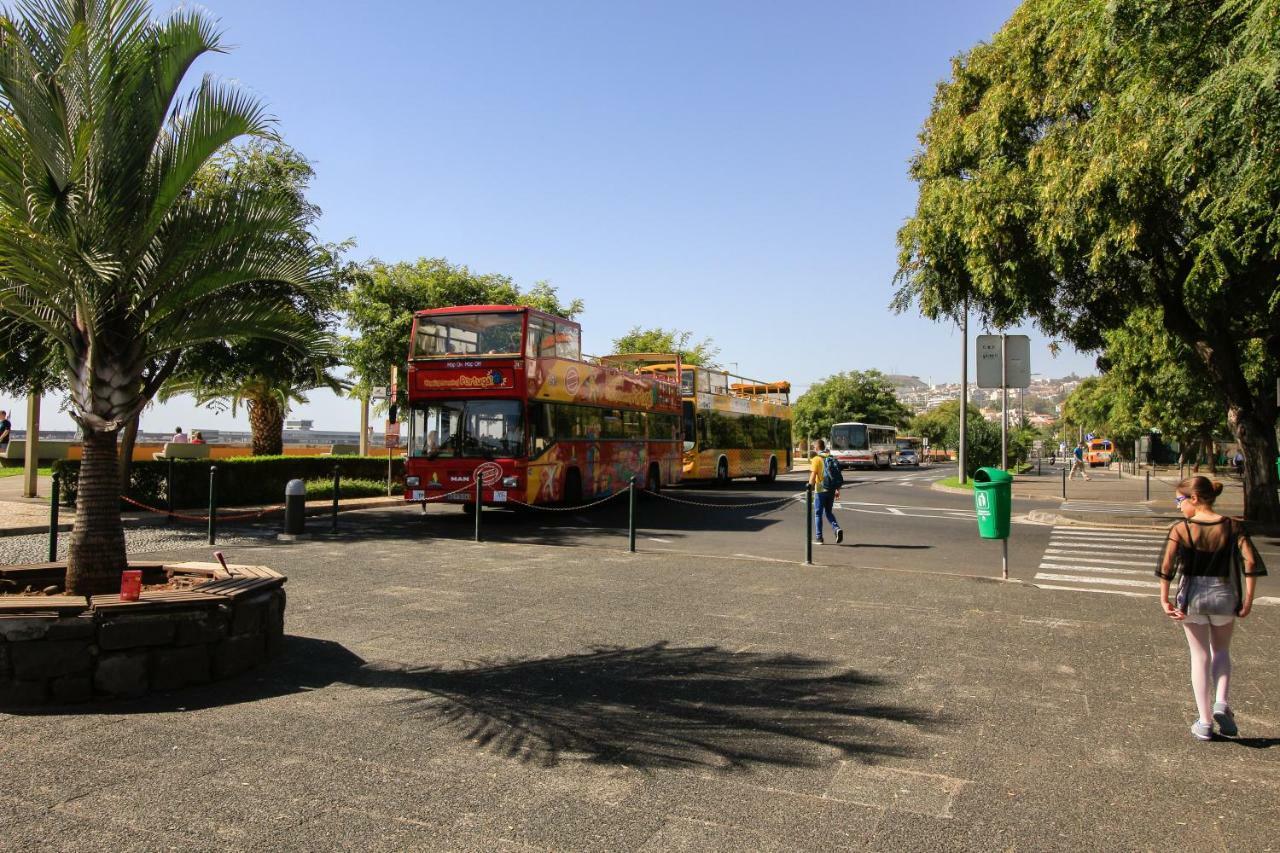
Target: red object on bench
130, 584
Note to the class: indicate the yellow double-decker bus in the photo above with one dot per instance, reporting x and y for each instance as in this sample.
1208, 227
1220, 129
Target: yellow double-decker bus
733, 426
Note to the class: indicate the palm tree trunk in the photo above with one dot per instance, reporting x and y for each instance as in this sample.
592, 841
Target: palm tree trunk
266, 425
97, 553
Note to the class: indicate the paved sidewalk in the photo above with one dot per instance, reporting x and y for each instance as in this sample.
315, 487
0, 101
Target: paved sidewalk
440, 695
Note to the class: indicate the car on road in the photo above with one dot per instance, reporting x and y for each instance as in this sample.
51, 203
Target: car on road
909, 457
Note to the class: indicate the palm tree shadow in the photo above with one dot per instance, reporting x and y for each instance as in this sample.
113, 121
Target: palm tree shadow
659, 706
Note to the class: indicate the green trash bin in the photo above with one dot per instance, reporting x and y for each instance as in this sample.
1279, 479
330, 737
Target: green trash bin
992, 498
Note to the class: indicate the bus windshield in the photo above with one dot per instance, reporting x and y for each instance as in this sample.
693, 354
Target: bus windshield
849, 437
497, 333
468, 429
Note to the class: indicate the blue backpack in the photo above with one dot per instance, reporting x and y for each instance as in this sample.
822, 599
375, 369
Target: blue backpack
832, 477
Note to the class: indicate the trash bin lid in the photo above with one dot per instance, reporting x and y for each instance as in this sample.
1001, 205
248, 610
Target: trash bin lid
991, 476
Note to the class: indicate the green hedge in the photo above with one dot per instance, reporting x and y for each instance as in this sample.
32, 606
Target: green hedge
242, 481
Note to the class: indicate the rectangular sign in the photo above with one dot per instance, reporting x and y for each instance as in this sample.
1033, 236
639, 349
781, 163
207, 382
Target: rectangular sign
989, 355
465, 379
391, 436
378, 392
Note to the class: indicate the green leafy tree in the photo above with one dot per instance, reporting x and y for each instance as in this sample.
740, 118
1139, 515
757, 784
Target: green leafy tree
104, 247
660, 340
261, 375
1165, 382
857, 395
1098, 156
941, 425
382, 299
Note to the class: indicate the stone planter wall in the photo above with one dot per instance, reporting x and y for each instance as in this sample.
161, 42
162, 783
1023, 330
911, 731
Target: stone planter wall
164, 641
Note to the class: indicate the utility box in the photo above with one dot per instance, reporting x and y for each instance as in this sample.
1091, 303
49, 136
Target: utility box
993, 500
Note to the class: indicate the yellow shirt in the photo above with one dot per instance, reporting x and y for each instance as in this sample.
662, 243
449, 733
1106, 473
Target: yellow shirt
815, 471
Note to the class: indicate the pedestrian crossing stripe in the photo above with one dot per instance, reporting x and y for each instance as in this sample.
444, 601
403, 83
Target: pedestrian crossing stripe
1102, 560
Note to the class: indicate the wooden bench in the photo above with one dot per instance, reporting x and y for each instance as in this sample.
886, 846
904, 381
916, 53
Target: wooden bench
156, 600
13, 453
13, 605
182, 450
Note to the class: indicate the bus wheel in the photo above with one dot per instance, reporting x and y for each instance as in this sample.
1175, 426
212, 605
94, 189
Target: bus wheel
773, 472
653, 482
572, 487
722, 473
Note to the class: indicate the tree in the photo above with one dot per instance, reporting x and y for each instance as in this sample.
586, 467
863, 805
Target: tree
702, 353
383, 297
941, 425
856, 395
104, 247
264, 377
1099, 156
1165, 382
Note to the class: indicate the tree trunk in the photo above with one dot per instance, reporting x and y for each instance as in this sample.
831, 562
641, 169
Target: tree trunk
266, 425
97, 552
128, 438
1257, 440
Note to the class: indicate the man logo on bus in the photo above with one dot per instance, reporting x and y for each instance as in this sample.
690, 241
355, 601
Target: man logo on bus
571, 381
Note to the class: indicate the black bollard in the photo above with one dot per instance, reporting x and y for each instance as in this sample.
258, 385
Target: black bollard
337, 486
808, 525
1064, 484
1148, 485
213, 504
295, 508
53, 519
169, 491
479, 485
631, 516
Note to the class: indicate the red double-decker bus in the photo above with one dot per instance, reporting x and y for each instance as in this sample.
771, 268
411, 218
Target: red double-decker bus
503, 393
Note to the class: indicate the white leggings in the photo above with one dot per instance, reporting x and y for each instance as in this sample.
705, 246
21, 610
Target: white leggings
1210, 647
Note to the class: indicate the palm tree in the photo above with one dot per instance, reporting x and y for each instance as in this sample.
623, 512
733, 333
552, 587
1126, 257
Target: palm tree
104, 247
263, 379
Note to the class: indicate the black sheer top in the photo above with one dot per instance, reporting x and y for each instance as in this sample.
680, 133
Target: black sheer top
1217, 549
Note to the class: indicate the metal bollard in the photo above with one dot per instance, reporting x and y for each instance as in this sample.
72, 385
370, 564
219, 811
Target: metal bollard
213, 504
337, 486
631, 516
1064, 484
1148, 485
479, 485
53, 519
808, 525
295, 508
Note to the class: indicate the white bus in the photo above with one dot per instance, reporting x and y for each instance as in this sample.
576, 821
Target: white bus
855, 444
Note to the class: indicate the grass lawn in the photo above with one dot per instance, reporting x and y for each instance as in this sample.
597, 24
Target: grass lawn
954, 483
14, 472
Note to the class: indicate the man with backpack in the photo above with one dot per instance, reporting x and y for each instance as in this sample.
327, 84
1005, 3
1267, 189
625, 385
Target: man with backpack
826, 479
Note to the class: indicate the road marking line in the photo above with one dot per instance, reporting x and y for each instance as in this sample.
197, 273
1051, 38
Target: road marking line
1054, 554
1104, 569
667, 541
1049, 576
1119, 550
1108, 591
894, 509
1102, 537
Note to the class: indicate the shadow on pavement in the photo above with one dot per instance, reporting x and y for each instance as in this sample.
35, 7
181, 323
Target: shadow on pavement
1254, 742
655, 706
893, 547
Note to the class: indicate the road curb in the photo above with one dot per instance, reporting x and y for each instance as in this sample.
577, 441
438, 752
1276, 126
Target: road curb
1090, 519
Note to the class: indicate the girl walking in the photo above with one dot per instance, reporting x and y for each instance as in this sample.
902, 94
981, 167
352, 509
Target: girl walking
1216, 568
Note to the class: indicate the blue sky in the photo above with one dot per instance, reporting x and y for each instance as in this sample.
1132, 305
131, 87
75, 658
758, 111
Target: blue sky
737, 169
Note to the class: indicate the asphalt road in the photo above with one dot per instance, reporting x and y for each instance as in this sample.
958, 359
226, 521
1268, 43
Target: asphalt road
892, 519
